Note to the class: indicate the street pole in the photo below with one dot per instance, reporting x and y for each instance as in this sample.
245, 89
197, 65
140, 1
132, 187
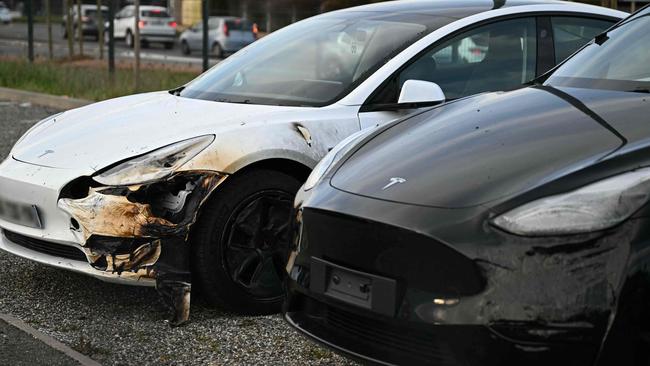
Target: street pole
100, 29
30, 30
48, 19
205, 14
80, 31
68, 27
136, 45
111, 40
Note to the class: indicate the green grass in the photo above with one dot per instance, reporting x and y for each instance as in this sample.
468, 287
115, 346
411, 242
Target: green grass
86, 82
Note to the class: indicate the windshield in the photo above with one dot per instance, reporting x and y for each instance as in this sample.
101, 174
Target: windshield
619, 60
154, 14
310, 63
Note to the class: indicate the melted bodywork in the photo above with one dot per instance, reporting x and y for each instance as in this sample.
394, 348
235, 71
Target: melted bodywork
142, 232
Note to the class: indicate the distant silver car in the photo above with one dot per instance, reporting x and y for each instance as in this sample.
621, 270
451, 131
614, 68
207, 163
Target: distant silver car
226, 35
5, 15
156, 25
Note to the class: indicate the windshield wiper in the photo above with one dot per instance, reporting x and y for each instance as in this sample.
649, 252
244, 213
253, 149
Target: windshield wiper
177, 91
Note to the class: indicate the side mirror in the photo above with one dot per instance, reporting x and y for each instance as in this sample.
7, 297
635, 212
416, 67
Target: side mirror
420, 93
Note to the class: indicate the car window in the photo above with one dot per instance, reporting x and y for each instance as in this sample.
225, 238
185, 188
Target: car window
311, 63
496, 56
617, 61
571, 33
239, 25
154, 13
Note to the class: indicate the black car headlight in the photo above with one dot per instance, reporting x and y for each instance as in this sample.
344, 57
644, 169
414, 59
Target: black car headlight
597, 206
154, 165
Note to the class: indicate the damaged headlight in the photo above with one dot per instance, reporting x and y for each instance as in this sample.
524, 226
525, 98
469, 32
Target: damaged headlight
155, 165
597, 206
334, 156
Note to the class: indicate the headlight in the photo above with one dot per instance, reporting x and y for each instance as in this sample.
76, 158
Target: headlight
597, 206
333, 156
155, 165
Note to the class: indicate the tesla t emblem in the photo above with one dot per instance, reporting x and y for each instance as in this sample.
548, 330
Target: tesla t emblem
393, 181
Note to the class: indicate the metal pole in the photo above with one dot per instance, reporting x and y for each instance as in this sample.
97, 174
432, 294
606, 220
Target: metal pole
136, 44
30, 30
100, 29
80, 31
205, 14
68, 27
111, 40
48, 19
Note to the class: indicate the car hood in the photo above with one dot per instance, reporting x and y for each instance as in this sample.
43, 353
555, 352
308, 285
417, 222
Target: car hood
476, 150
101, 134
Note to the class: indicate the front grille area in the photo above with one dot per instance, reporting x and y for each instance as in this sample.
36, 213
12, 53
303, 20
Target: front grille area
46, 247
414, 260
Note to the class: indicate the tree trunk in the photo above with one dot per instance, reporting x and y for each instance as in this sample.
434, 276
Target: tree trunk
100, 29
48, 20
80, 31
136, 45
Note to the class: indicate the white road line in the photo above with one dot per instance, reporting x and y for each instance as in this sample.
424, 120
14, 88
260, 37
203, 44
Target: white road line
51, 342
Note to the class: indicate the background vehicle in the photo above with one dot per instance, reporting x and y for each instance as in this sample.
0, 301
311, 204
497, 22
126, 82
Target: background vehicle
156, 26
261, 120
499, 229
88, 21
5, 15
226, 35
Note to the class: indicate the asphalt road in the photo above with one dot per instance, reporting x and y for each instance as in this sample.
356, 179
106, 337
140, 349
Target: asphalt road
13, 42
123, 325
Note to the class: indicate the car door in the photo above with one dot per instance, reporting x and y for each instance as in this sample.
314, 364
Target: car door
195, 36
121, 23
500, 55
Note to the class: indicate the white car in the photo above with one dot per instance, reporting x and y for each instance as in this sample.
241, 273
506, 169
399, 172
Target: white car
5, 15
155, 24
196, 184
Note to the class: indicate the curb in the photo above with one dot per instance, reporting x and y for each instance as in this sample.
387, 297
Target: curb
49, 341
47, 100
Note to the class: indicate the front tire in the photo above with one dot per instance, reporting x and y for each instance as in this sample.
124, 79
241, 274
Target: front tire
185, 48
240, 242
217, 51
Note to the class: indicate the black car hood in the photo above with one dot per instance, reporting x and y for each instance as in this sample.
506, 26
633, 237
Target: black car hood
492, 146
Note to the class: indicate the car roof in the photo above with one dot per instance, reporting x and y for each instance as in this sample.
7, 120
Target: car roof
449, 8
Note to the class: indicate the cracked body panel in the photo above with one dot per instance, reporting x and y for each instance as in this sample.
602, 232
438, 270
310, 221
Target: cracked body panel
142, 232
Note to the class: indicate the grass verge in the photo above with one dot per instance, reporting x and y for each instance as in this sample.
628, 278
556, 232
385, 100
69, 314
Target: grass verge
86, 80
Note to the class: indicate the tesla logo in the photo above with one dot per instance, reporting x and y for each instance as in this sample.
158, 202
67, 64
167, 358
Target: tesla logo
393, 181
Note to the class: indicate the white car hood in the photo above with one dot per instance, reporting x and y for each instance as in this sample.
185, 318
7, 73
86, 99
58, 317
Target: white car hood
101, 134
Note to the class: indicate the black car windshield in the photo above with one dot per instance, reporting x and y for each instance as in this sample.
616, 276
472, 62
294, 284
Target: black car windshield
310, 63
617, 60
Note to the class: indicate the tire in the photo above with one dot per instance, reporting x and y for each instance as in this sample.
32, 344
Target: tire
236, 262
169, 45
185, 48
129, 39
217, 51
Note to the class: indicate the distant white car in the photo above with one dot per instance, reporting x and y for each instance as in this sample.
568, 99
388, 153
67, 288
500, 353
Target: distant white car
226, 35
5, 15
156, 25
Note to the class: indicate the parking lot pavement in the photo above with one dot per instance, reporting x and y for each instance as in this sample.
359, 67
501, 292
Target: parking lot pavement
123, 325
18, 348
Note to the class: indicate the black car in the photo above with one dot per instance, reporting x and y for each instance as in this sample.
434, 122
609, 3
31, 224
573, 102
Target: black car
501, 229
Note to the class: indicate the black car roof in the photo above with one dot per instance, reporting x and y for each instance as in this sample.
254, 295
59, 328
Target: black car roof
449, 8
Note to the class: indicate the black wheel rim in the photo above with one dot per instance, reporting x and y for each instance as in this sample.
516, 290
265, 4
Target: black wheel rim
256, 242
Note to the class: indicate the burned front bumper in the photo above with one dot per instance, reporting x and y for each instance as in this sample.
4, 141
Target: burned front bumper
131, 234
464, 293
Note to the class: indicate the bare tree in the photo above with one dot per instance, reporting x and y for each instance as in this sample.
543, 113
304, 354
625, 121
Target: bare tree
80, 31
68, 27
136, 44
48, 20
100, 29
